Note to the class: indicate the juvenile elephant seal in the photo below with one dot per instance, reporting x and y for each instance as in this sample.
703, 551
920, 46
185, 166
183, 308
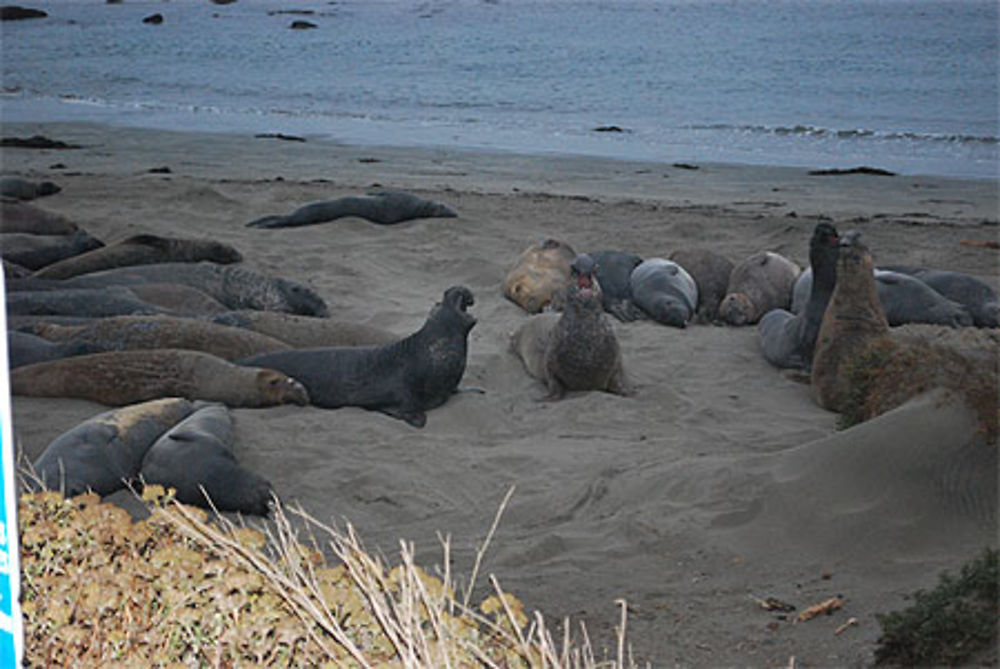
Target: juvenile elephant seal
195, 457
979, 299
579, 350
88, 302
710, 271
127, 333
22, 189
383, 208
104, 452
788, 339
403, 379
663, 290
233, 285
614, 273
38, 251
24, 348
540, 274
758, 284
853, 318
306, 331
141, 250
21, 217
124, 377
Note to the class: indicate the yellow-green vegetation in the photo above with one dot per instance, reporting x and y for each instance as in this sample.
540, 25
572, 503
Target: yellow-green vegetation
951, 625
177, 589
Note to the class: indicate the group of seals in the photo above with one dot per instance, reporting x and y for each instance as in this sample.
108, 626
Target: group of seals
402, 379
384, 208
540, 275
577, 350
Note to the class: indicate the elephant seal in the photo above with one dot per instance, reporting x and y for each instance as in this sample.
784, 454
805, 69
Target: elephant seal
403, 379
22, 189
306, 331
12, 270
758, 284
195, 457
853, 318
579, 348
788, 339
38, 251
141, 250
979, 299
21, 217
90, 302
178, 299
233, 285
127, 333
24, 348
614, 273
665, 291
106, 451
386, 208
540, 274
116, 378
710, 271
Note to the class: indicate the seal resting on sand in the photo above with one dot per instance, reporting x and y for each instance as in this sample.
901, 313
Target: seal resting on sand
141, 250
197, 454
117, 378
576, 350
24, 348
976, 297
104, 452
614, 273
22, 189
757, 285
306, 331
126, 333
403, 379
787, 339
710, 271
664, 291
385, 208
540, 275
21, 217
86, 302
853, 318
39, 251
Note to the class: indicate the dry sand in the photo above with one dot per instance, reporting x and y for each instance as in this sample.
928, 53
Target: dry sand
718, 481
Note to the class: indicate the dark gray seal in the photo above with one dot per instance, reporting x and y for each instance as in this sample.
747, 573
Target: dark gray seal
39, 251
117, 378
385, 208
24, 348
578, 349
143, 249
403, 379
195, 457
14, 271
87, 302
979, 299
21, 217
665, 291
786, 339
710, 271
614, 273
22, 189
106, 451
306, 331
235, 286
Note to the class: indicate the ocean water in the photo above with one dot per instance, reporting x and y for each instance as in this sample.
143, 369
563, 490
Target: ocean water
906, 85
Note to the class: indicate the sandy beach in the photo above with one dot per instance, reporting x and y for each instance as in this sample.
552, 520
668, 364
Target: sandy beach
718, 482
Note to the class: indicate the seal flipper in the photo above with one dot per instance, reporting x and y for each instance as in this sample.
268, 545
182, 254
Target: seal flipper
414, 417
267, 222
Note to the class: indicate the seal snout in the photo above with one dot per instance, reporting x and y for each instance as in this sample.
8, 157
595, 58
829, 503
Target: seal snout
582, 272
459, 297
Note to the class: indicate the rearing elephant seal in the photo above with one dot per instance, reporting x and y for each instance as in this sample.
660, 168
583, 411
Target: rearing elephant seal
104, 452
540, 275
787, 339
853, 318
141, 250
403, 379
758, 284
124, 377
197, 454
386, 208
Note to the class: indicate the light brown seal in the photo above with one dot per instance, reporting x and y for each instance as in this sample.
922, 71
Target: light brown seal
179, 299
125, 377
126, 333
145, 249
307, 331
21, 217
540, 273
853, 318
758, 284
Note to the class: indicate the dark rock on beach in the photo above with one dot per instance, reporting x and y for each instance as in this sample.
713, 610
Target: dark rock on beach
153, 19
302, 25
35, 142
16, 13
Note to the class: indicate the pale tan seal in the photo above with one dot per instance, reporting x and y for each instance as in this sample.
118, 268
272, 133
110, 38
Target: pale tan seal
757, 285
540, 274
307, 331
125, 377
853, 318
